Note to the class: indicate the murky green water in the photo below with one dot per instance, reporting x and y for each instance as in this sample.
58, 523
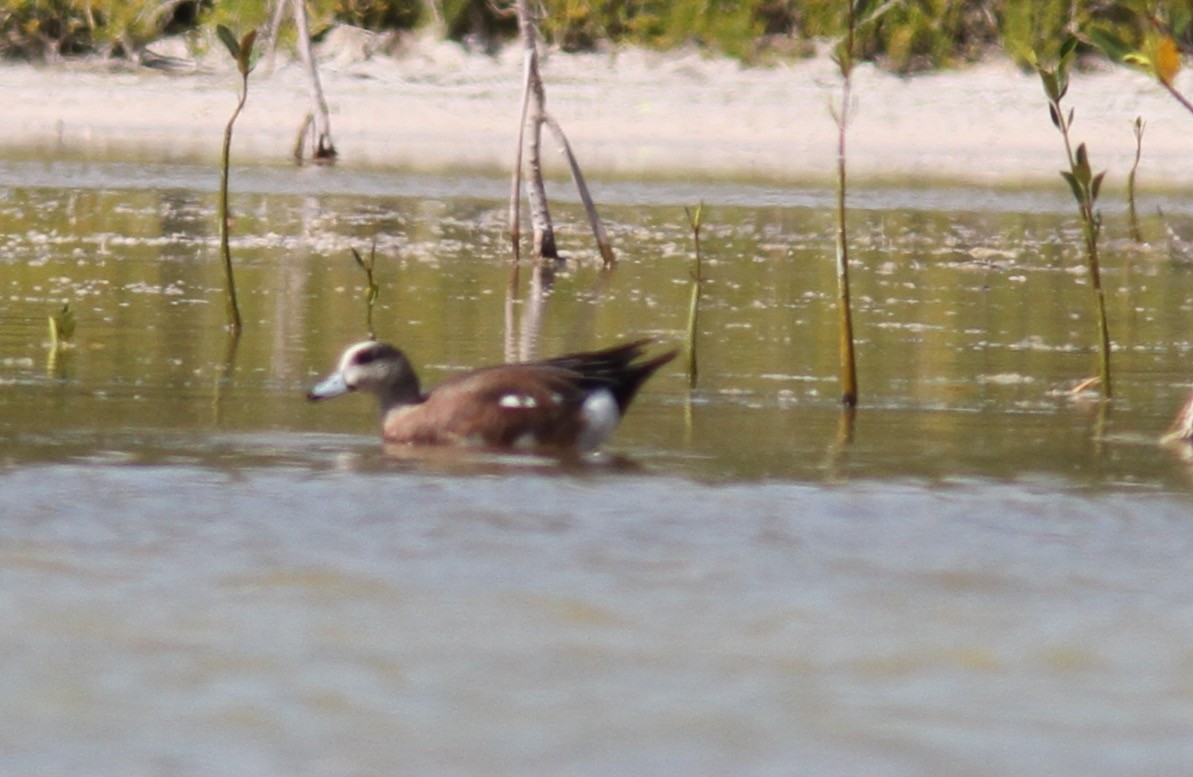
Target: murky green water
204, 573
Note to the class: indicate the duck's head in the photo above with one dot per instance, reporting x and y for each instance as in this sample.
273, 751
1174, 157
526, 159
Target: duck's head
373, 367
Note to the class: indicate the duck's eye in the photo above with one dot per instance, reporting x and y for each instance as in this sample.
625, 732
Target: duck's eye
366, 357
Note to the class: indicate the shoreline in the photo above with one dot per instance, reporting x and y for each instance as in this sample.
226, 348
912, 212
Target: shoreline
628, 114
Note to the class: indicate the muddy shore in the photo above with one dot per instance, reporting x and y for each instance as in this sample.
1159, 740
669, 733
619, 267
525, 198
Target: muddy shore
627, 114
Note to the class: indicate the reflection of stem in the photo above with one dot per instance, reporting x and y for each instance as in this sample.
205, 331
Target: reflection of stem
1100, 417
542, 278
687, 418
584, 323
373, 290
845, 426
511, 302
835, 456
62, 328
58, 361
225, 375
522, 337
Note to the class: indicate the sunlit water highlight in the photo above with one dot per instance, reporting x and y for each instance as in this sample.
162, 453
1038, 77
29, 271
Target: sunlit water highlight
204, 574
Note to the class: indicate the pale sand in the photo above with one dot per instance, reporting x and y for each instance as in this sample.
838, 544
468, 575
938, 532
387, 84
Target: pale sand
629, 114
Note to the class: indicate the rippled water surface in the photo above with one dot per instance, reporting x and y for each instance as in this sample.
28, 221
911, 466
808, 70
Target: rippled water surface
204, 574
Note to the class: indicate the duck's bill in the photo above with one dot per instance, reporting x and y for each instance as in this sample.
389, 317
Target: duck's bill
331, 386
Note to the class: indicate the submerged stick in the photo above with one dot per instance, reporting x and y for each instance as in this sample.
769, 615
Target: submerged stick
510, 340
224, 376
542, 279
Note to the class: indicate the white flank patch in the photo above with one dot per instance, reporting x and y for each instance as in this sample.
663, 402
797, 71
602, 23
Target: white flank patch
600, 419
525, 442
517, 401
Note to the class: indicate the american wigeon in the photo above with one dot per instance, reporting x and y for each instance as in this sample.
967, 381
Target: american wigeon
571, 402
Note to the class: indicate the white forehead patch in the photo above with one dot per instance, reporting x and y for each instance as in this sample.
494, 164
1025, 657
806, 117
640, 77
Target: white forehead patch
350, 354
517, 401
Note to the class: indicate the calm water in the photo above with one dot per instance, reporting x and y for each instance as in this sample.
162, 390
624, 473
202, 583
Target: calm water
201, 573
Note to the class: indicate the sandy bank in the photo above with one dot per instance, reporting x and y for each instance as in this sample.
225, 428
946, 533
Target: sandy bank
632, 113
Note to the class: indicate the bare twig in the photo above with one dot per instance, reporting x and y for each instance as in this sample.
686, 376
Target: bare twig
515, 209
322, 149
533, 116
594, 220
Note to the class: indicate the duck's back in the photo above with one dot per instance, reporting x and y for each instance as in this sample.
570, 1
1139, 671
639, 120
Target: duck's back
509, 406
573, 401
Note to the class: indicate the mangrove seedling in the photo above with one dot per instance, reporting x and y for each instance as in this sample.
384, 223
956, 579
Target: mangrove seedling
694, 220
843, 56
1138, 127
372, 290
1084, 185
242, 52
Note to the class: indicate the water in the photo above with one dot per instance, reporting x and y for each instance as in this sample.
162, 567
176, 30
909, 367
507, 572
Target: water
202, 573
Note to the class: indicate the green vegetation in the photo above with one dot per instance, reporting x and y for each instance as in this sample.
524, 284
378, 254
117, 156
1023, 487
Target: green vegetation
844, 56
911, 35
1153, 47
694, 221
372, 290
49, 29
1085, 186
242, 52
1132, 214
62, 328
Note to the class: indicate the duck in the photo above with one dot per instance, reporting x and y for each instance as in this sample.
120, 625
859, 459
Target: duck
572, 402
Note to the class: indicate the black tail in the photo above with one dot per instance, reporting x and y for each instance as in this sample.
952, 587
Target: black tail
617, 369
